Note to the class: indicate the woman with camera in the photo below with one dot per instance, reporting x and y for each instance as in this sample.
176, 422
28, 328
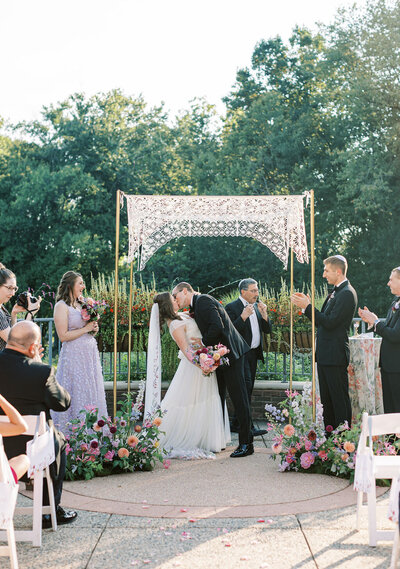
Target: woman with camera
8, 288
79, 368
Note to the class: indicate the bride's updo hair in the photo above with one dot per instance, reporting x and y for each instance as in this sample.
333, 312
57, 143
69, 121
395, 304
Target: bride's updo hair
165, 307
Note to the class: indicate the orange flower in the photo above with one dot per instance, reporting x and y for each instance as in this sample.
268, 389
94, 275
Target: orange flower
349, 447
123, 453
344, 457
138, 428
289, 430
157, 421
132, 441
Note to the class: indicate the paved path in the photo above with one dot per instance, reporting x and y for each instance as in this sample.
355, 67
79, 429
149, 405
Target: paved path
210, 514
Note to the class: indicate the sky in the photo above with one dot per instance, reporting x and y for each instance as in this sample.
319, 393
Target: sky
166, 51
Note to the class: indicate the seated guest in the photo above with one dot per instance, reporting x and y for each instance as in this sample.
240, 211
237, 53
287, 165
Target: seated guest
389, 360
250, 319
8, 288
31, 387
14, 426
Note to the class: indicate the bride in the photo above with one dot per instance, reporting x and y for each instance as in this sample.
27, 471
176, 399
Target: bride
193, 422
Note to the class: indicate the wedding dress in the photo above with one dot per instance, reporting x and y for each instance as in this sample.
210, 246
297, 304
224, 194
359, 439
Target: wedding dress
193, 423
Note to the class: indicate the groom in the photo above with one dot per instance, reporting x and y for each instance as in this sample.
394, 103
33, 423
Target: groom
216, 327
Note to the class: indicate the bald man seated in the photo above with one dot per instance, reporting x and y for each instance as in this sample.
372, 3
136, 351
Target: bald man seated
31, 387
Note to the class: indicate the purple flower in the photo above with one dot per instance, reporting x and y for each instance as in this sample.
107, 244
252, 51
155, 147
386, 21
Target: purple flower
94, 443
306, 460
123, 423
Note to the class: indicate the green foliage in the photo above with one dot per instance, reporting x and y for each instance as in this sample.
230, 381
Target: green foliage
319, 111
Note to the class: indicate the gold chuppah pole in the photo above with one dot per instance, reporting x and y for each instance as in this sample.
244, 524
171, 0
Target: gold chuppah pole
130, 328
118, 198
291, 323
312, 247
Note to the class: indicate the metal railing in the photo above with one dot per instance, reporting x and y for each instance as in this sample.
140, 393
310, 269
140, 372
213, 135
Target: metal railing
275, 367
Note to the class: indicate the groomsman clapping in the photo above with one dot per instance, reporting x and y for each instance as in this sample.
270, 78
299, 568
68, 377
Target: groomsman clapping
389, 360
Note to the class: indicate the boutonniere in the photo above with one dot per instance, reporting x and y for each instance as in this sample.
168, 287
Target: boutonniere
396, 306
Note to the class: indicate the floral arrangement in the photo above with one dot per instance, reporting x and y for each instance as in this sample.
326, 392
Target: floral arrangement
210, 358
92, 309
303, 445
101, 446
396, 306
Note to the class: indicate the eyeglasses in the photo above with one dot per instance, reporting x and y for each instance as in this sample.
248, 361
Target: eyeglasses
11, 288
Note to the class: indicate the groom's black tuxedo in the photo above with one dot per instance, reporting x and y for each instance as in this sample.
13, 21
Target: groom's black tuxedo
216, 327
332, 352
390, 358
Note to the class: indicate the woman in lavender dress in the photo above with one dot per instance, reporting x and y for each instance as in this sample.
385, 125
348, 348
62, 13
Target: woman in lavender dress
79, 369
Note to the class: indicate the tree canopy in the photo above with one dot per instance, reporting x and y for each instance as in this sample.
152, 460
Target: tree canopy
320, 111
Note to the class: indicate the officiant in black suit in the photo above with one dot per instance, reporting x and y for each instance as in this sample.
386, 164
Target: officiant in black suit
31, 387
250, 319
332, 350
389, 360
216, 327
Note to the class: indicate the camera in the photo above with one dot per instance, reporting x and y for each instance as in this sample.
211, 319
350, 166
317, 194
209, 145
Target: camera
23, 300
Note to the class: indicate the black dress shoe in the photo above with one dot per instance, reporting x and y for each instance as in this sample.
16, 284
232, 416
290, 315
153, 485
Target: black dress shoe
258, 432
63, 517
243, 450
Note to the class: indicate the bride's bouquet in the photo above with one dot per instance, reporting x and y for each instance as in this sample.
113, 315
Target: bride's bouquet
210, 358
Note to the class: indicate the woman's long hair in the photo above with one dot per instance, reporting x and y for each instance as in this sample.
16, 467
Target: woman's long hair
5, 274
163, 299
64, 291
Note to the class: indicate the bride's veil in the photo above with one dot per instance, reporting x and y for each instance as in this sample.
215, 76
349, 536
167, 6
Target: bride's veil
153, 380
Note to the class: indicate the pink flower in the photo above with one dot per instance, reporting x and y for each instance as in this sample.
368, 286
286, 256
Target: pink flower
349, 447
166, 464
323, 455
68, 449
95, 451
328, 428
306, 460
109, 455
223, 350
289, 430
84, 447
96, 427
123, 423
85, 315
307, 444
290, 458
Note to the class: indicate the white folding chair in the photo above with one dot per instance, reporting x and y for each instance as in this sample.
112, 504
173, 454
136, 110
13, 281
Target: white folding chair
370, 467
393, 515
37, 426
8, 499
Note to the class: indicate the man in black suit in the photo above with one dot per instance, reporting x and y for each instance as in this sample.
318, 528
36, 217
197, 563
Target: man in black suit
389, 360
250, 320
216, 327
31, 386
332, 351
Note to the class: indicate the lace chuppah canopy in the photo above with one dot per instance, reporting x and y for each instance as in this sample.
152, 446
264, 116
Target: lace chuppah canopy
275, 221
